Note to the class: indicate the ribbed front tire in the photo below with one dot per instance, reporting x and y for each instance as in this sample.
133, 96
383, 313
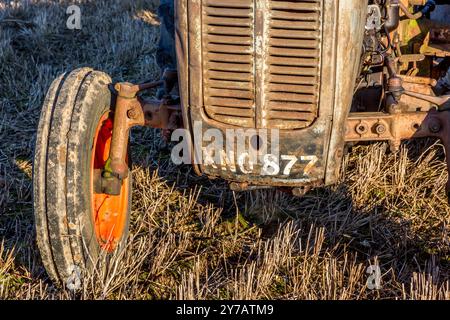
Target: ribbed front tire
73, 223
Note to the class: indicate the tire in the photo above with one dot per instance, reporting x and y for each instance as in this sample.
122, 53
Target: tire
72, 144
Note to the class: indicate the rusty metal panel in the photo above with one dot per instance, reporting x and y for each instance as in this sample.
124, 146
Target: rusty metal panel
350, 32
261, 62
195, 58
182, 47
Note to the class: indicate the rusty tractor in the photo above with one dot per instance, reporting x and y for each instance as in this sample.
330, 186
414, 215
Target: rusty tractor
267, 94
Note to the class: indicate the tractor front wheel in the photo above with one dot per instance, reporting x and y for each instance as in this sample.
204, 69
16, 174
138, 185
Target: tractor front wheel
75, 222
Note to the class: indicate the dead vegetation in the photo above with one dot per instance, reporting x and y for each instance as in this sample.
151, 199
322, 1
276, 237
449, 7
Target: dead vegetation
192, 238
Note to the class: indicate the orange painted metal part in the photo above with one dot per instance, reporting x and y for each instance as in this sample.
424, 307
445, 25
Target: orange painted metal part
109, 211
132, 111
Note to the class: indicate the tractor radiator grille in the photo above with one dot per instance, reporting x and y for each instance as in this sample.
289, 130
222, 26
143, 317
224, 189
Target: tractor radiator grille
261, 62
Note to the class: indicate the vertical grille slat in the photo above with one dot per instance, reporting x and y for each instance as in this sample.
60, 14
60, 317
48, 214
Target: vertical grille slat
294, 63
228, 61
279, 49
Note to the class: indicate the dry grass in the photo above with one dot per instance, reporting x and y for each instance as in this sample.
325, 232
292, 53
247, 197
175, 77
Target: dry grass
192, 238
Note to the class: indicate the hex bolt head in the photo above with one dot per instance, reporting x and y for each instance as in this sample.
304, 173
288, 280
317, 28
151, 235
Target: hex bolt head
361, 128
380, 128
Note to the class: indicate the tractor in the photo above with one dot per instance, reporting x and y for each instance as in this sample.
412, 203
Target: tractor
263, 94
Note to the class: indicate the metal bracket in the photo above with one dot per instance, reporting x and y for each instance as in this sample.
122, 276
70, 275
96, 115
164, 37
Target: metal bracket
130, 111
397, 127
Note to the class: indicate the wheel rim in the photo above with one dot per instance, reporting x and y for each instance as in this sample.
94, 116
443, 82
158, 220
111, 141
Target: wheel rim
109, 212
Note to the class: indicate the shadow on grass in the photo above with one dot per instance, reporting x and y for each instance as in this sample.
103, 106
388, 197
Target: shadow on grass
375, 230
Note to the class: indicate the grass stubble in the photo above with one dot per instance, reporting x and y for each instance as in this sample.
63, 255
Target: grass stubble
190, 237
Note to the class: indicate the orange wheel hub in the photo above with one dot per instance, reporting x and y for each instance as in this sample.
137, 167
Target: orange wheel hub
109, 212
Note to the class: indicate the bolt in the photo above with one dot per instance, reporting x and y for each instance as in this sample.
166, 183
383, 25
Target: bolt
380, 128
361, 128
132, 114
435, 127
394, 146
396, 83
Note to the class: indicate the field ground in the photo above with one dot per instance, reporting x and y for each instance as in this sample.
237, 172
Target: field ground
193, 238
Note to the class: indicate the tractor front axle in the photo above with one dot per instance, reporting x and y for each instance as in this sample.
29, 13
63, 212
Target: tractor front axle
131, 111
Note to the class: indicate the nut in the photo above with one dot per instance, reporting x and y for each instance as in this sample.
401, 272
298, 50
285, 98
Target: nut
380, 128
361, 128
132, 114
435, 127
